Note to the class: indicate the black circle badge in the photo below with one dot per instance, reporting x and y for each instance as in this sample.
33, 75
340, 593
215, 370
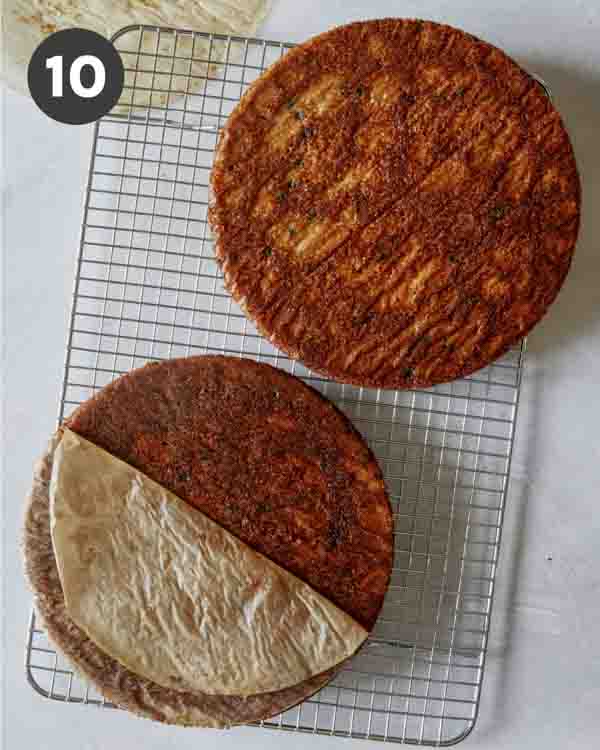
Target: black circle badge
75, 76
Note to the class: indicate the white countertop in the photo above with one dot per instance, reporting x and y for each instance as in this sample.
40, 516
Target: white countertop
542, 687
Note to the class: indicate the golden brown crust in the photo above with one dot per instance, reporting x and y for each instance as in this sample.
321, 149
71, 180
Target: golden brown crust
111, 678
263, 455
203, 427
395, 202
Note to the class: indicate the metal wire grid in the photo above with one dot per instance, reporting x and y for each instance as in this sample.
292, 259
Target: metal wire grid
147, 288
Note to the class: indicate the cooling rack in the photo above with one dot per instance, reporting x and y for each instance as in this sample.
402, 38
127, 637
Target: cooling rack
147, 287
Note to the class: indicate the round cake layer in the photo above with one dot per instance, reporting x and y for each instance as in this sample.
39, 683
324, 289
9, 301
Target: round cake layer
262, 454
265, 456
395, 202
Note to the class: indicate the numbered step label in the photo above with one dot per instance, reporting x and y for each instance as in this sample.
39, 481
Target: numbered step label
76, 76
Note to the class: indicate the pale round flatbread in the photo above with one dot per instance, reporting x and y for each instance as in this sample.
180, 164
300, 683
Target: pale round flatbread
26, 23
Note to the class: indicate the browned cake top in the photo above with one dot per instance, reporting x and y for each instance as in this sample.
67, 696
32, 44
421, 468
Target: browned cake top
395, 202
263, 455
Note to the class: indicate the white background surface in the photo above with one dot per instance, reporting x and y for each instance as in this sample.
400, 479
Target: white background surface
542, 688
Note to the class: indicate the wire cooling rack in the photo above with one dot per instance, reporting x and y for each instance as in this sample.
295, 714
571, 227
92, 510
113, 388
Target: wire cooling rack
147, 288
